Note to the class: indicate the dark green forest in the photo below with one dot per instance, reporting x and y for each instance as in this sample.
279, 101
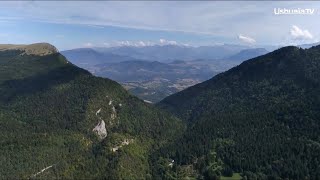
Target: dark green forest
48, 109
260, 119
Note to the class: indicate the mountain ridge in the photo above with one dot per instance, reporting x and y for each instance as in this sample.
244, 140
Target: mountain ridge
260, 119
167, 53
39, 49
54, 114
248, 54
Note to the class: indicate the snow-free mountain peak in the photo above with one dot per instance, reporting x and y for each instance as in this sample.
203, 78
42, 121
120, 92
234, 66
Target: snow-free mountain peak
38, 49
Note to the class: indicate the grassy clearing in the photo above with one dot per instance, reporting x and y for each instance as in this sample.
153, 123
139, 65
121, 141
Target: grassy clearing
236, 176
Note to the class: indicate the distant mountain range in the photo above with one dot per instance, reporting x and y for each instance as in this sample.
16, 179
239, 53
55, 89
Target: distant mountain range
306, 46
87, 57
169, 53
247, 54
166, 53
154, 72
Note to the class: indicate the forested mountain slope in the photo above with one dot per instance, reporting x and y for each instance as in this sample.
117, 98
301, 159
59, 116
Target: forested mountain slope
59, 121
260, 119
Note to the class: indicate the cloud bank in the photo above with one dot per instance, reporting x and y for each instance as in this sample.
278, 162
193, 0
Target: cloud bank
211, 21
300, 34
161, 42
246, 39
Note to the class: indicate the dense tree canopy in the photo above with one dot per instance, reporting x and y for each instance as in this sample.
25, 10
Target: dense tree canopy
261, 118
48, 109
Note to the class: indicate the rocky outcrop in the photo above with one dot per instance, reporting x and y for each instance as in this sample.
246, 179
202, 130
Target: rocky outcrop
101, 130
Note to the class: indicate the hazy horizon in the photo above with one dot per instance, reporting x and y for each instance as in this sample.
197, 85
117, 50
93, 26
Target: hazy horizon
103, 24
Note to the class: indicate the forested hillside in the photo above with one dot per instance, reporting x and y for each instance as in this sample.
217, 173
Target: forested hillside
59, 121
260, 119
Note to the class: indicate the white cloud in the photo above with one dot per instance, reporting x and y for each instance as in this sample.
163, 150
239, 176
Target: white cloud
167, 42
125, 43
141, 43
161, 42
195, 17
204, 18
131, 43
128, 43
300, 34
88, 44
246, 39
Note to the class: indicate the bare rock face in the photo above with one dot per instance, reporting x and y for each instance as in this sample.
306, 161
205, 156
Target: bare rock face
38, 49
101, 130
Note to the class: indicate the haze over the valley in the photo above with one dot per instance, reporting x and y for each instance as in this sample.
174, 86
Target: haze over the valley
155, 49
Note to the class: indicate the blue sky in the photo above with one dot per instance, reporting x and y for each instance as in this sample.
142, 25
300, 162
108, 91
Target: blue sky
75, 24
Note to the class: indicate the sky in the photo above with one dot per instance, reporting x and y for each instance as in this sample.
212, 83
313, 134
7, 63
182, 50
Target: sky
75, 24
